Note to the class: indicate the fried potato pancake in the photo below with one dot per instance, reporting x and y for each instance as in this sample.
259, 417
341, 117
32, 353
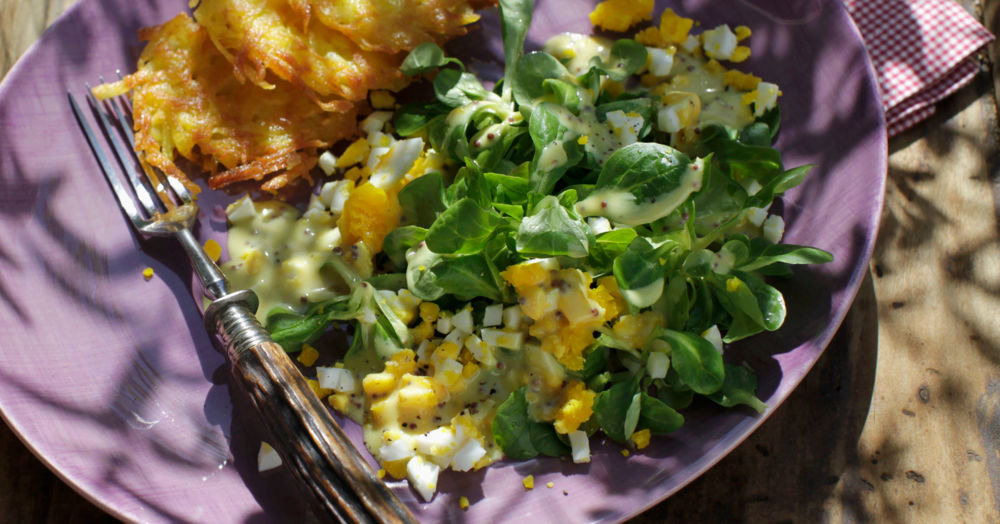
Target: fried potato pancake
258, 36
186, 101
391, 26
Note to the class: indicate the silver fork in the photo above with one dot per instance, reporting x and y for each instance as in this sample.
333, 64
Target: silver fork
330, 470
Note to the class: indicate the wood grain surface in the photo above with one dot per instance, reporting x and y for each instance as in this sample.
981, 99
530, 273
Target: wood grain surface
900, 419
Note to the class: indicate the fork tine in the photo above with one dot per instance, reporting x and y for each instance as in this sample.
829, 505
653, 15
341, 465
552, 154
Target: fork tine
125, 199
126, 129
124, 123
125, 158
178, 187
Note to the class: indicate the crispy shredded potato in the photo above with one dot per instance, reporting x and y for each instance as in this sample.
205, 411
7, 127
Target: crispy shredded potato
261, 36
250, 89
390, 27
186, 101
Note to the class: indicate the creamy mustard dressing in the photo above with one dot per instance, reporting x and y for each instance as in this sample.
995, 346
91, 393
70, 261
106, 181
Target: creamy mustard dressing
600, 139
620, 206
719, 104
477, 401
281, 255
553, 155
576, 50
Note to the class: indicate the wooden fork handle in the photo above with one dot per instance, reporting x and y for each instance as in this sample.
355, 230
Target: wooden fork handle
304, 433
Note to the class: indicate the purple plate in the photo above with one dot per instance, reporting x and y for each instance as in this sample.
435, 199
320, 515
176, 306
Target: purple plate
114, 384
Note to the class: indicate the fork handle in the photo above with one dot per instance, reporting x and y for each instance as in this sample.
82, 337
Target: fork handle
306, 436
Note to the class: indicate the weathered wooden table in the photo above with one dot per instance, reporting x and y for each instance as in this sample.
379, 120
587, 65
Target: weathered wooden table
900, 419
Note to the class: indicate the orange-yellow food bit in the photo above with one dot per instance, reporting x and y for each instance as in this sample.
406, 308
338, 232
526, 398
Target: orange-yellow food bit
713, 66
641, 438
356, 173
355, 153
422, 332
619, 15
429, 311
382, 100
563, 306
369, 215
740, 80
649, 80
577, 407
339, 401
402, 362
396, 468
740, 54
564, 340
636, 330
613, 88
212, 249
609, 284
308, 355
525, 275
674, 29
378, 384
147, 273
650, 36
319, 391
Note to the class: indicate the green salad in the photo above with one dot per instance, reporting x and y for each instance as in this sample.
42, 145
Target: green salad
522, 267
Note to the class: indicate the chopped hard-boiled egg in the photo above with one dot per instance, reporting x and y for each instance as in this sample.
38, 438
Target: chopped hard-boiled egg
767, 97
657, 364
337, 379
394, 162
714, 336
267, 457
580, 445
375, 122
327, 162
774, 228
493, 315
661, 61
468, 456
599, 225
577, 407
333, 195
463, 320
423, 476
625, 126
719, 43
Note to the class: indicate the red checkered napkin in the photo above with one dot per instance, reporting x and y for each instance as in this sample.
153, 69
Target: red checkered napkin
922, 51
